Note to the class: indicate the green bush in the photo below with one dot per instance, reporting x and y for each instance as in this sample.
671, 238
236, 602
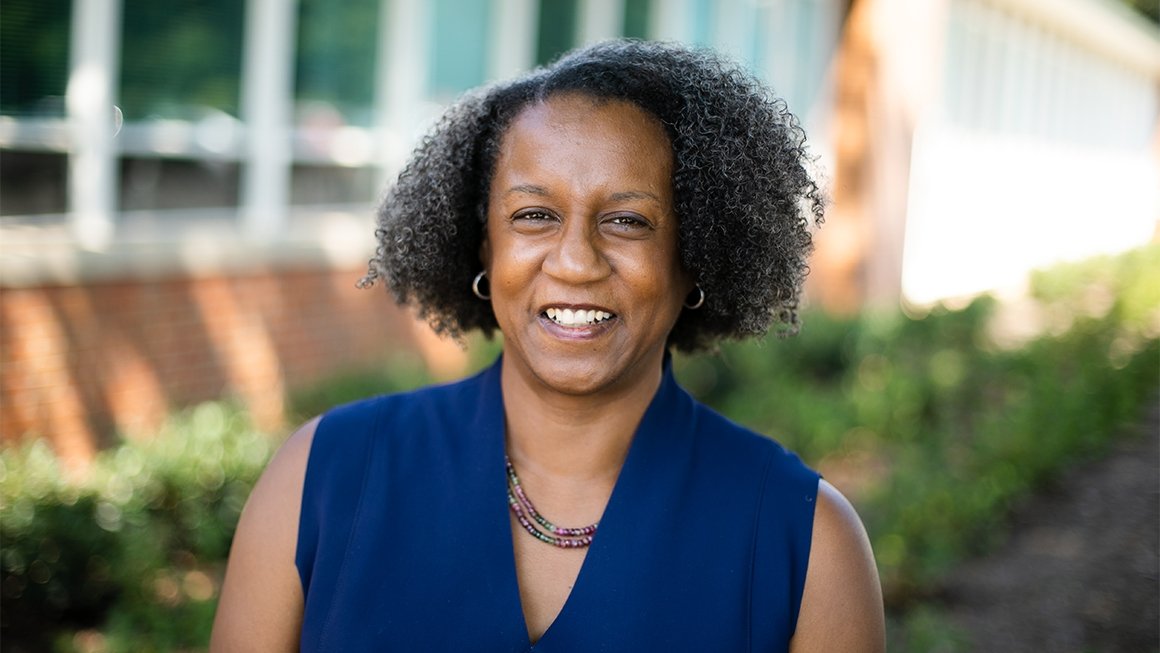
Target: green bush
404, 371
136, 546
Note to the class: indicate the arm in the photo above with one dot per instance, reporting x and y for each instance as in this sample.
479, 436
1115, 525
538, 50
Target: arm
261, 602
841, 607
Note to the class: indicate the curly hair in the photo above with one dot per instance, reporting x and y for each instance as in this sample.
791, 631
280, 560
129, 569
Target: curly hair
742, 194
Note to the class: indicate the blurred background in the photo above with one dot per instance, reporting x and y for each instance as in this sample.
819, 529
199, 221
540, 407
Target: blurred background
983, 308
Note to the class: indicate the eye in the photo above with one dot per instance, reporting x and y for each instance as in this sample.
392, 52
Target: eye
533, 215
533, 221
628, 222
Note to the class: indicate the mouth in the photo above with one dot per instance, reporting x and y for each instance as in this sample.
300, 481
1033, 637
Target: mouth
579, 317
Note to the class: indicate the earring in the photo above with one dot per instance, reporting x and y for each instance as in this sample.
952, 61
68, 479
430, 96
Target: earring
475, 285
700, 299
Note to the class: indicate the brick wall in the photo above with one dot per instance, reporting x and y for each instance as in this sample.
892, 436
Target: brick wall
78, 362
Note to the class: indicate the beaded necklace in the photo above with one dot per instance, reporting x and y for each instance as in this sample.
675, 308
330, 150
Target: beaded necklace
522, 508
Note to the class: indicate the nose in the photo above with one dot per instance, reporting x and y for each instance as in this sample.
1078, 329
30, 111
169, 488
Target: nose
576, 256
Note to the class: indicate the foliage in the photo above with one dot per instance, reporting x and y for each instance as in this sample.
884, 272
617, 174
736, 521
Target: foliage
404, 371
1150, 9
136, 544
925, 630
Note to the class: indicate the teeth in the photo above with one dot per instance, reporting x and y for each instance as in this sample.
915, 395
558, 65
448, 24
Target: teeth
568, 317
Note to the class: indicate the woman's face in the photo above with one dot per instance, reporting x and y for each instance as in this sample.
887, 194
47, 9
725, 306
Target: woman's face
581, 245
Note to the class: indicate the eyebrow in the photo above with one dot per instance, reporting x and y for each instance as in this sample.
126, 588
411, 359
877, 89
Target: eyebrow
540, 191
528, 189
634, 195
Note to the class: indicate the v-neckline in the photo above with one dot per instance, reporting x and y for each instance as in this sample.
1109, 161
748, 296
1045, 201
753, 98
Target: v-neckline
655, 422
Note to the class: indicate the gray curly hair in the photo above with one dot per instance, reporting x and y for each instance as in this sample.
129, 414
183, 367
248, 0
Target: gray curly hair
742, 194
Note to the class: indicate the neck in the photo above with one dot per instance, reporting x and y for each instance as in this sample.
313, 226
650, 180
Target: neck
576, 438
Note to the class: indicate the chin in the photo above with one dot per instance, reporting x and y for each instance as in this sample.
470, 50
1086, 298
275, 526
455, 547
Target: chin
572, 378
579, 375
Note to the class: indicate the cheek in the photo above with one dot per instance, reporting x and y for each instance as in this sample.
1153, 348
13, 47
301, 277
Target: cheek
657, 275
509, 258
512, 264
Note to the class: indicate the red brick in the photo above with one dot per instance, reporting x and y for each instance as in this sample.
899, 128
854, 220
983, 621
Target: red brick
74, 358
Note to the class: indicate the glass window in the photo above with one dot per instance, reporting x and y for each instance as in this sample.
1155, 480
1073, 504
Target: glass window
180, 58
557, 29
34, 59
636, 17
458, 48
704, 19
334, 70
322, 184
33, 183
149, 183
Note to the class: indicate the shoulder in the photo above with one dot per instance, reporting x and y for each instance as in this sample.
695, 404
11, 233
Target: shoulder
288, 464
841, 608
351, 439
274, 501
745, 448
261, 600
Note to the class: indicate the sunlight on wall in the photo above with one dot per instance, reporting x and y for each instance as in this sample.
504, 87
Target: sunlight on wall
132, 387
985, 210
245, 349
42, 390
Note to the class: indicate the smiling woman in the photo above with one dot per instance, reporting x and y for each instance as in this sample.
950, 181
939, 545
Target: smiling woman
628, 199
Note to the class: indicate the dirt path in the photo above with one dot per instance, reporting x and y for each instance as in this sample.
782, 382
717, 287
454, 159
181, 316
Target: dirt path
1081, 571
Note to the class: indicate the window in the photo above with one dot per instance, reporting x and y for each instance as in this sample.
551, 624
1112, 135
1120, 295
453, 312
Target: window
636, 18
458, 47
334, 71
34, 69
180, 59
557, 29
33, 183
35, 56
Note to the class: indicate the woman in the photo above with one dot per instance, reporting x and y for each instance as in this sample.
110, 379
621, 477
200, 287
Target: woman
630, 198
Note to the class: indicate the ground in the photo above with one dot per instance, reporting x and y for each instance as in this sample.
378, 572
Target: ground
1081, 570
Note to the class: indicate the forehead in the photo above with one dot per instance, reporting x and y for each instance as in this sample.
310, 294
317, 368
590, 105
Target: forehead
573, 132
576, 109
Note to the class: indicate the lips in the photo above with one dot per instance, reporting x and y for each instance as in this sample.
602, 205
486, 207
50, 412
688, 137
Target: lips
574, 317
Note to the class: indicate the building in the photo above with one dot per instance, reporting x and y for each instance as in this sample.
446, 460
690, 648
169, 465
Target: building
211, 246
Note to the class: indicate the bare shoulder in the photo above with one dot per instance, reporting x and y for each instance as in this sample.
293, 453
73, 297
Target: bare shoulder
841, 608
261, 602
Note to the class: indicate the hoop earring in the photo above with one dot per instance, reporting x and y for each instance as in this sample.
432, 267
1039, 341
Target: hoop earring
475, 286
700, 299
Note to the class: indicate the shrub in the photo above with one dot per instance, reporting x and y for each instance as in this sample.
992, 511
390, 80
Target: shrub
138, 542
404, 371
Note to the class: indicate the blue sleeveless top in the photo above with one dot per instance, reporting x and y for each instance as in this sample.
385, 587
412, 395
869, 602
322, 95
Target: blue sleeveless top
405, 542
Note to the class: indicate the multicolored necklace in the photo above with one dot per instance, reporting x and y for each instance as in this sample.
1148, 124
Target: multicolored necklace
522, 508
